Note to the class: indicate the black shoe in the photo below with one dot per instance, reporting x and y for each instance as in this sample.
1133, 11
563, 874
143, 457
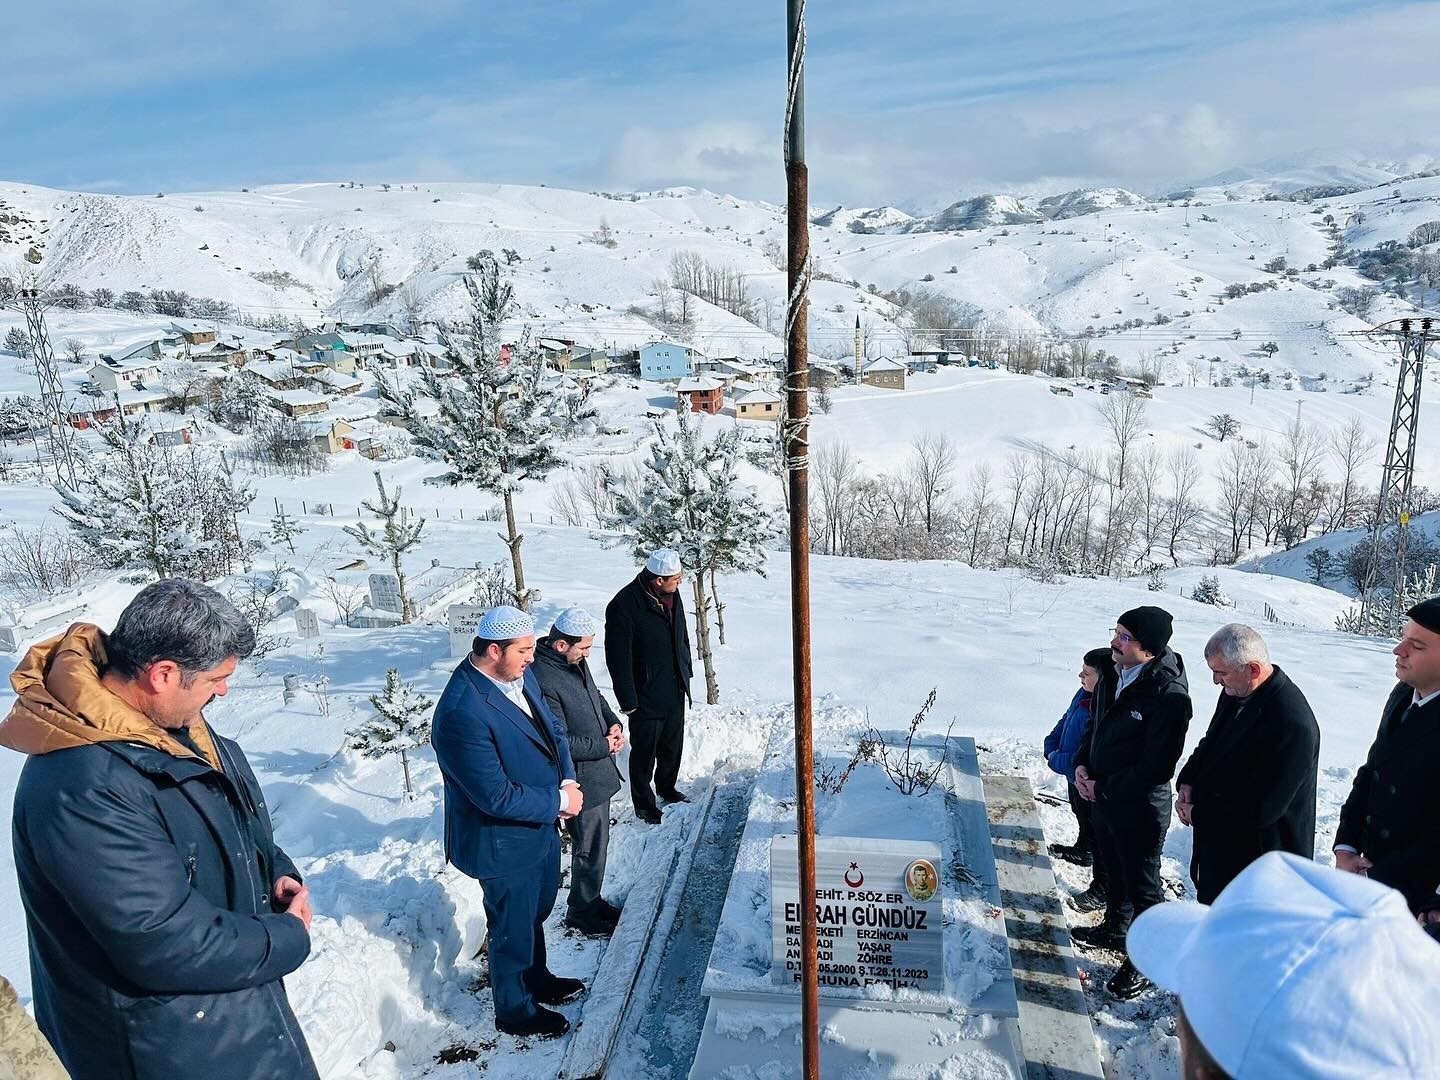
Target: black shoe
674, 796
591, 923
1092, 899
558, 991
608, 911
1128, 983
1099, 937
1072, 854
545, 1024
650, 815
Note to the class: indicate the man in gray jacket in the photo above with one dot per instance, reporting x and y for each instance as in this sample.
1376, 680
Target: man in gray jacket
595, 737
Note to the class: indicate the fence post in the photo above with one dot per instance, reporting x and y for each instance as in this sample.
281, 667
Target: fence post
277, 506
303, 508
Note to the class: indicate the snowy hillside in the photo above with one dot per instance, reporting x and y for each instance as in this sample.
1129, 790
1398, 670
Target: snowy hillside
1141, 278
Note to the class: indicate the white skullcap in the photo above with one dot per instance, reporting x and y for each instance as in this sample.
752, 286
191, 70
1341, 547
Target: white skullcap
504, 623
574, 622
663, 562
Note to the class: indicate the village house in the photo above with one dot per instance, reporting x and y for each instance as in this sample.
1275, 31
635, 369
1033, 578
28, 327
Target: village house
556, 352
335, 382
886, 373
113, 376
703, 393
596, 360
298, 403
823, 376
279, 375
664, 361
759, 405
193, 333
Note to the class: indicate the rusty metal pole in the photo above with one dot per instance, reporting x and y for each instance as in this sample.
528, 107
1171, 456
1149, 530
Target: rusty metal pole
797, 442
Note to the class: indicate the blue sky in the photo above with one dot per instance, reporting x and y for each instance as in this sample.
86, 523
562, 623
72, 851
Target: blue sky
908, 101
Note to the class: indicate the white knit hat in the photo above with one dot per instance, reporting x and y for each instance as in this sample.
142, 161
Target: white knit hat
504, 623
663, 562
574, 622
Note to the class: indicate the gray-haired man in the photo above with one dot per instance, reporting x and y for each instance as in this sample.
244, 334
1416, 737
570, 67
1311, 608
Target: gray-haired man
1249, 787
162, 915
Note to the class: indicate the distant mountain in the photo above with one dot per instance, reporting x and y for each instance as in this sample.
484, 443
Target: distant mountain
876, 219
981, 212
1088, 201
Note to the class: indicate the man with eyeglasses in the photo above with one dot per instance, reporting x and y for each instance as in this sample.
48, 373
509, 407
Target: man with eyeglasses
1124, 766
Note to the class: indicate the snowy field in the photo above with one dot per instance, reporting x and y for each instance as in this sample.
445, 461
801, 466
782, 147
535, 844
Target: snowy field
389, 965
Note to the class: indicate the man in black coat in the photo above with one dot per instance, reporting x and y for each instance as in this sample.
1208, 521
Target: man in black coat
1249, 787
162, 915
1124, 766
647, 649
563, 671
1387, 825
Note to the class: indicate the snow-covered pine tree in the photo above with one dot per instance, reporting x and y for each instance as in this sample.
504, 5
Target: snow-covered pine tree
284, 529
490, 429
401, 723
1208, 591
676, 507
131, 511
397, 536
743, 525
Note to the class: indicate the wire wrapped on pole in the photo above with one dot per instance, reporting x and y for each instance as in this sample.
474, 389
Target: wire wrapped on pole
797, 476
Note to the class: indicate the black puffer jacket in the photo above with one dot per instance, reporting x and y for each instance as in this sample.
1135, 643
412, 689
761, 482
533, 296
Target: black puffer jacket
572, 695
152, 938
647, 652
1136, 737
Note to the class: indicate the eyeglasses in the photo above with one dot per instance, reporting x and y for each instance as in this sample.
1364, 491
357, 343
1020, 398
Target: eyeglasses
1120, 635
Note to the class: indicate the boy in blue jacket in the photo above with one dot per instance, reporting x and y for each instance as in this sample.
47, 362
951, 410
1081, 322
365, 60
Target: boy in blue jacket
1060, 747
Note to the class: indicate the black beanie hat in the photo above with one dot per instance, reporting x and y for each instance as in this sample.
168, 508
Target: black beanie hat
1099, 659
1150, 626
1427, 614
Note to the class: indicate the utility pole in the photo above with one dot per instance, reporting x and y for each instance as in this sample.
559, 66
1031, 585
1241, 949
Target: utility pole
797, 448
859, 351
62, 445
1413, 336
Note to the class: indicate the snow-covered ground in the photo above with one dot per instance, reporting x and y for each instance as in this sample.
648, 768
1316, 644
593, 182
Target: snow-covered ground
1000, 650
305, 250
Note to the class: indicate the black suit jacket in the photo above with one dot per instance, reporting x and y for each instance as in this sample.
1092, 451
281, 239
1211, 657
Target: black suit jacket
1254, 776
572, 695
1395, 800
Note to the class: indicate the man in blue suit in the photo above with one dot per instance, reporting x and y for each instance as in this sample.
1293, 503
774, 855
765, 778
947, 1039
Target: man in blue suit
508, 779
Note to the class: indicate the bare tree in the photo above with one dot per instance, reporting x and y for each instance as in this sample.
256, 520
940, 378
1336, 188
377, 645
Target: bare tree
1300, 455
932, 469
1242, 474
1353, 448
836, 480
1124, 419
979, 511
412, 303
1181, 498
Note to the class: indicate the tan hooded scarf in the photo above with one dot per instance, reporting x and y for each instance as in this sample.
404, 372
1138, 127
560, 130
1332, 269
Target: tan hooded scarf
63, 704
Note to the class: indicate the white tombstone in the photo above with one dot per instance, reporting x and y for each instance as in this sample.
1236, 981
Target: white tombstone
385, 592
307, 623
463, 620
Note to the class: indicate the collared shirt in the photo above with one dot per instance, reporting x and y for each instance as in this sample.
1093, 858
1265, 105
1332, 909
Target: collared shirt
1128, 675
1421, 702
515, 691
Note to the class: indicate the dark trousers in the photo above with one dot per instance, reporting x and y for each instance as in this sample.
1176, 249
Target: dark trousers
516, 907
1084, 811
589, 840
1129, 835
656, 743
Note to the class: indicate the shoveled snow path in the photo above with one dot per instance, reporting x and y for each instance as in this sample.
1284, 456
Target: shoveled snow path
661, 1031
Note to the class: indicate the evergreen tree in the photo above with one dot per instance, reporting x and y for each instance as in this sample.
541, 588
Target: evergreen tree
131, 509
743, 527
284, 529
684, 502
1208, 591
491, 429
401, 724
397, 536
18, 342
